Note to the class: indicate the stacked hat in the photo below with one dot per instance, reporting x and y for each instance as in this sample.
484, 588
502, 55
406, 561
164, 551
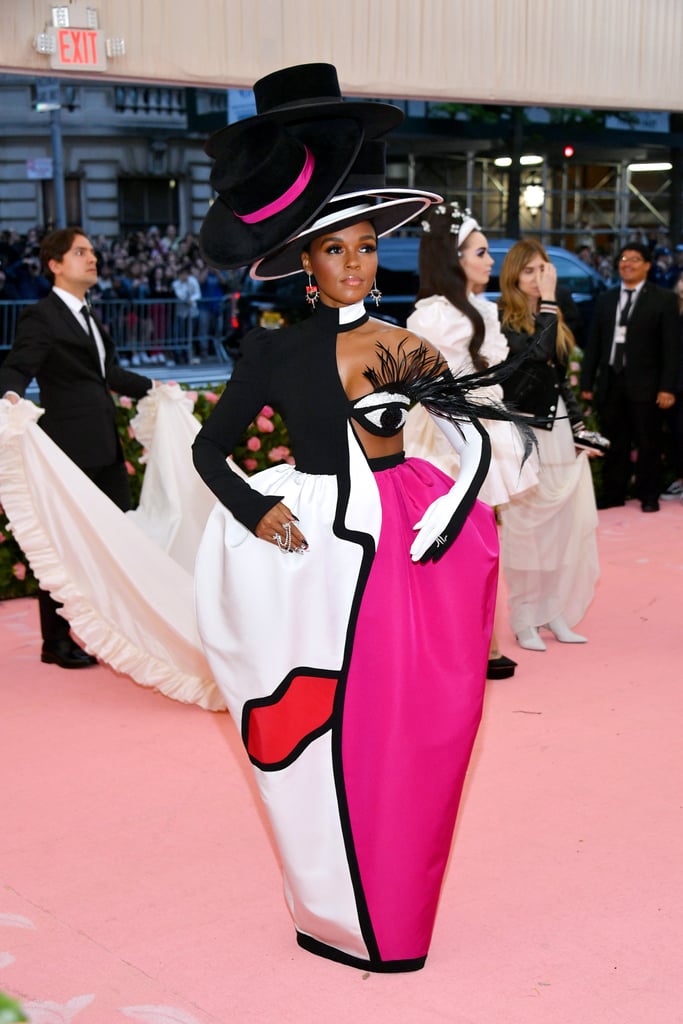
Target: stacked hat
363, 196
274, 172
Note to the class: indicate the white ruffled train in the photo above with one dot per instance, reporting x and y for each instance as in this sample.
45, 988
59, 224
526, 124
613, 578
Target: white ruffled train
125, 579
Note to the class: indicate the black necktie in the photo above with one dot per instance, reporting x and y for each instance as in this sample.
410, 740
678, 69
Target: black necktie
618, 363
86, 316
623, 319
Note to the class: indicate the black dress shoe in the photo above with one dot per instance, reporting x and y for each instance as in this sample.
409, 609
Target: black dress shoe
650, 506
500, 668
66, 654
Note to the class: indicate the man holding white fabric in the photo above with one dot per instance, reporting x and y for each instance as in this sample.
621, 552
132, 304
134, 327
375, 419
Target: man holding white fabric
69, 352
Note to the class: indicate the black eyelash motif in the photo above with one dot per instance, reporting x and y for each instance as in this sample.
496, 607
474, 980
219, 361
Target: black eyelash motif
427, 379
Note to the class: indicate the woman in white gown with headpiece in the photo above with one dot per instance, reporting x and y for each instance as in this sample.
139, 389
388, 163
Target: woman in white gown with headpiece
455, 264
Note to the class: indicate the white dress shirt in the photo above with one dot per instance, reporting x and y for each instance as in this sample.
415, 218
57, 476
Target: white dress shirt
75, 304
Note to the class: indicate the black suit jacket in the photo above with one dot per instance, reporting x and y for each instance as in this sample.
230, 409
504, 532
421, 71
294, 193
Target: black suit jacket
80, 415
651, 345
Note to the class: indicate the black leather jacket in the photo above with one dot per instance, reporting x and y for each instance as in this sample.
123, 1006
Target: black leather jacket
534, 388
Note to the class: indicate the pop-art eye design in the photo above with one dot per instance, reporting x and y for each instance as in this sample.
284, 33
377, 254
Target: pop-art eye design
383, 412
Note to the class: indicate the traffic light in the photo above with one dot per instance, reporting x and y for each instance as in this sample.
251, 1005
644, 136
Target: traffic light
568, 152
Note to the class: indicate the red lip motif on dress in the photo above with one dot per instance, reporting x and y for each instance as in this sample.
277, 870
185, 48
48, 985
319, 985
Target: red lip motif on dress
277, 728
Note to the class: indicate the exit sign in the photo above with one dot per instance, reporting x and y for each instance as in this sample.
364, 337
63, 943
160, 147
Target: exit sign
79, 49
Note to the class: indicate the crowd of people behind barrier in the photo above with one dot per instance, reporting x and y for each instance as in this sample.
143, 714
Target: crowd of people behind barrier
159, 298
165, 305
667, 260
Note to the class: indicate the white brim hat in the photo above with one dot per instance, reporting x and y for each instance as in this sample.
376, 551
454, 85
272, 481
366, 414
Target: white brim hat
387, 209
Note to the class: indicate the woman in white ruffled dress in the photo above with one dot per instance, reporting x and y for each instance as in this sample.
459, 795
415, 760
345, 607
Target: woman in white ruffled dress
455, 264
549, 547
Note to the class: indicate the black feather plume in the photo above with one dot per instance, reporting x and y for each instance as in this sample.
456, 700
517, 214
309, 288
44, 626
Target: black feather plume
426, 378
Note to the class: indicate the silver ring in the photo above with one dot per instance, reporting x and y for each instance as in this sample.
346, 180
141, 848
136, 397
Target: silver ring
286, 544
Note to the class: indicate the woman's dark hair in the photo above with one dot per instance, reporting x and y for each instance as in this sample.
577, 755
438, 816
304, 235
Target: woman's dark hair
441, 274
54, 247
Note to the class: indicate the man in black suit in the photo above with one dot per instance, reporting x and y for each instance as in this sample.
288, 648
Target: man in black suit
69, 352
632, 350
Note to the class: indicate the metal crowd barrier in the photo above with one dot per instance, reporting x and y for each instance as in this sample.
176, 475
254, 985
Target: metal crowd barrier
151, 331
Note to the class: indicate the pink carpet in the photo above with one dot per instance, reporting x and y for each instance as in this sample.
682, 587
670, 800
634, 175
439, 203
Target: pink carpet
137, 881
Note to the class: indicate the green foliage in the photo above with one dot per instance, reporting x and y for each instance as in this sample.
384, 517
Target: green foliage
264, 444
594, 120
570, 117
10, 1010
480, 112
589, 416
16, 578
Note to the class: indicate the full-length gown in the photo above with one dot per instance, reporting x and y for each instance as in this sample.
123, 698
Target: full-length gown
355, 674
549, 549
379, 661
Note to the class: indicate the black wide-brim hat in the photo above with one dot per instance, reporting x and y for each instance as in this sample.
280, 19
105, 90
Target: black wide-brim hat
308, 92
271, 183
386, 212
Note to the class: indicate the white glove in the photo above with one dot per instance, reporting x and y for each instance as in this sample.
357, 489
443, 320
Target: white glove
444, 518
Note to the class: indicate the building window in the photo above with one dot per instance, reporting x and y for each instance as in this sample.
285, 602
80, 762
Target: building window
144, 202
72, 197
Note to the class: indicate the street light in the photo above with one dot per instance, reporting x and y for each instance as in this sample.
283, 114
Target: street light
533, 195
48, 98
663, 166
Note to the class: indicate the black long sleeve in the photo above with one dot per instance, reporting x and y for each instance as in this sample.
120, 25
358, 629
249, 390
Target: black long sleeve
245, 395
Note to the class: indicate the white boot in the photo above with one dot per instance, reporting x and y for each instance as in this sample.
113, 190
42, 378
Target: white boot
558, 626
530, 639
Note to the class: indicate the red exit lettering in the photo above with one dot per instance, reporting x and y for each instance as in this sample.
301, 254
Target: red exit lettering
77, 46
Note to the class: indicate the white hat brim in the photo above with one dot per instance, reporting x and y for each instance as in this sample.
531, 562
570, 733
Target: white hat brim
387, 215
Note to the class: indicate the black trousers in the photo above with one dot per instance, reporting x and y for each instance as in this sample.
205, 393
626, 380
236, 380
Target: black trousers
630, 425
113, 481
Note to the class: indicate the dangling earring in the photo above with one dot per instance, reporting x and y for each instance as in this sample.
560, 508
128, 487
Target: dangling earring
375, 293
312, 293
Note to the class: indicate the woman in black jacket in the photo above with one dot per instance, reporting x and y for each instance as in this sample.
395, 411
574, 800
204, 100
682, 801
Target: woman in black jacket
549, 549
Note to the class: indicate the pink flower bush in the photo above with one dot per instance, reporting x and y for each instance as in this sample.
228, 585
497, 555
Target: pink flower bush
267, 411
125, 402
211, 397
19, 570
249, 465
264, 425
254, 444
279, 453
130, 468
